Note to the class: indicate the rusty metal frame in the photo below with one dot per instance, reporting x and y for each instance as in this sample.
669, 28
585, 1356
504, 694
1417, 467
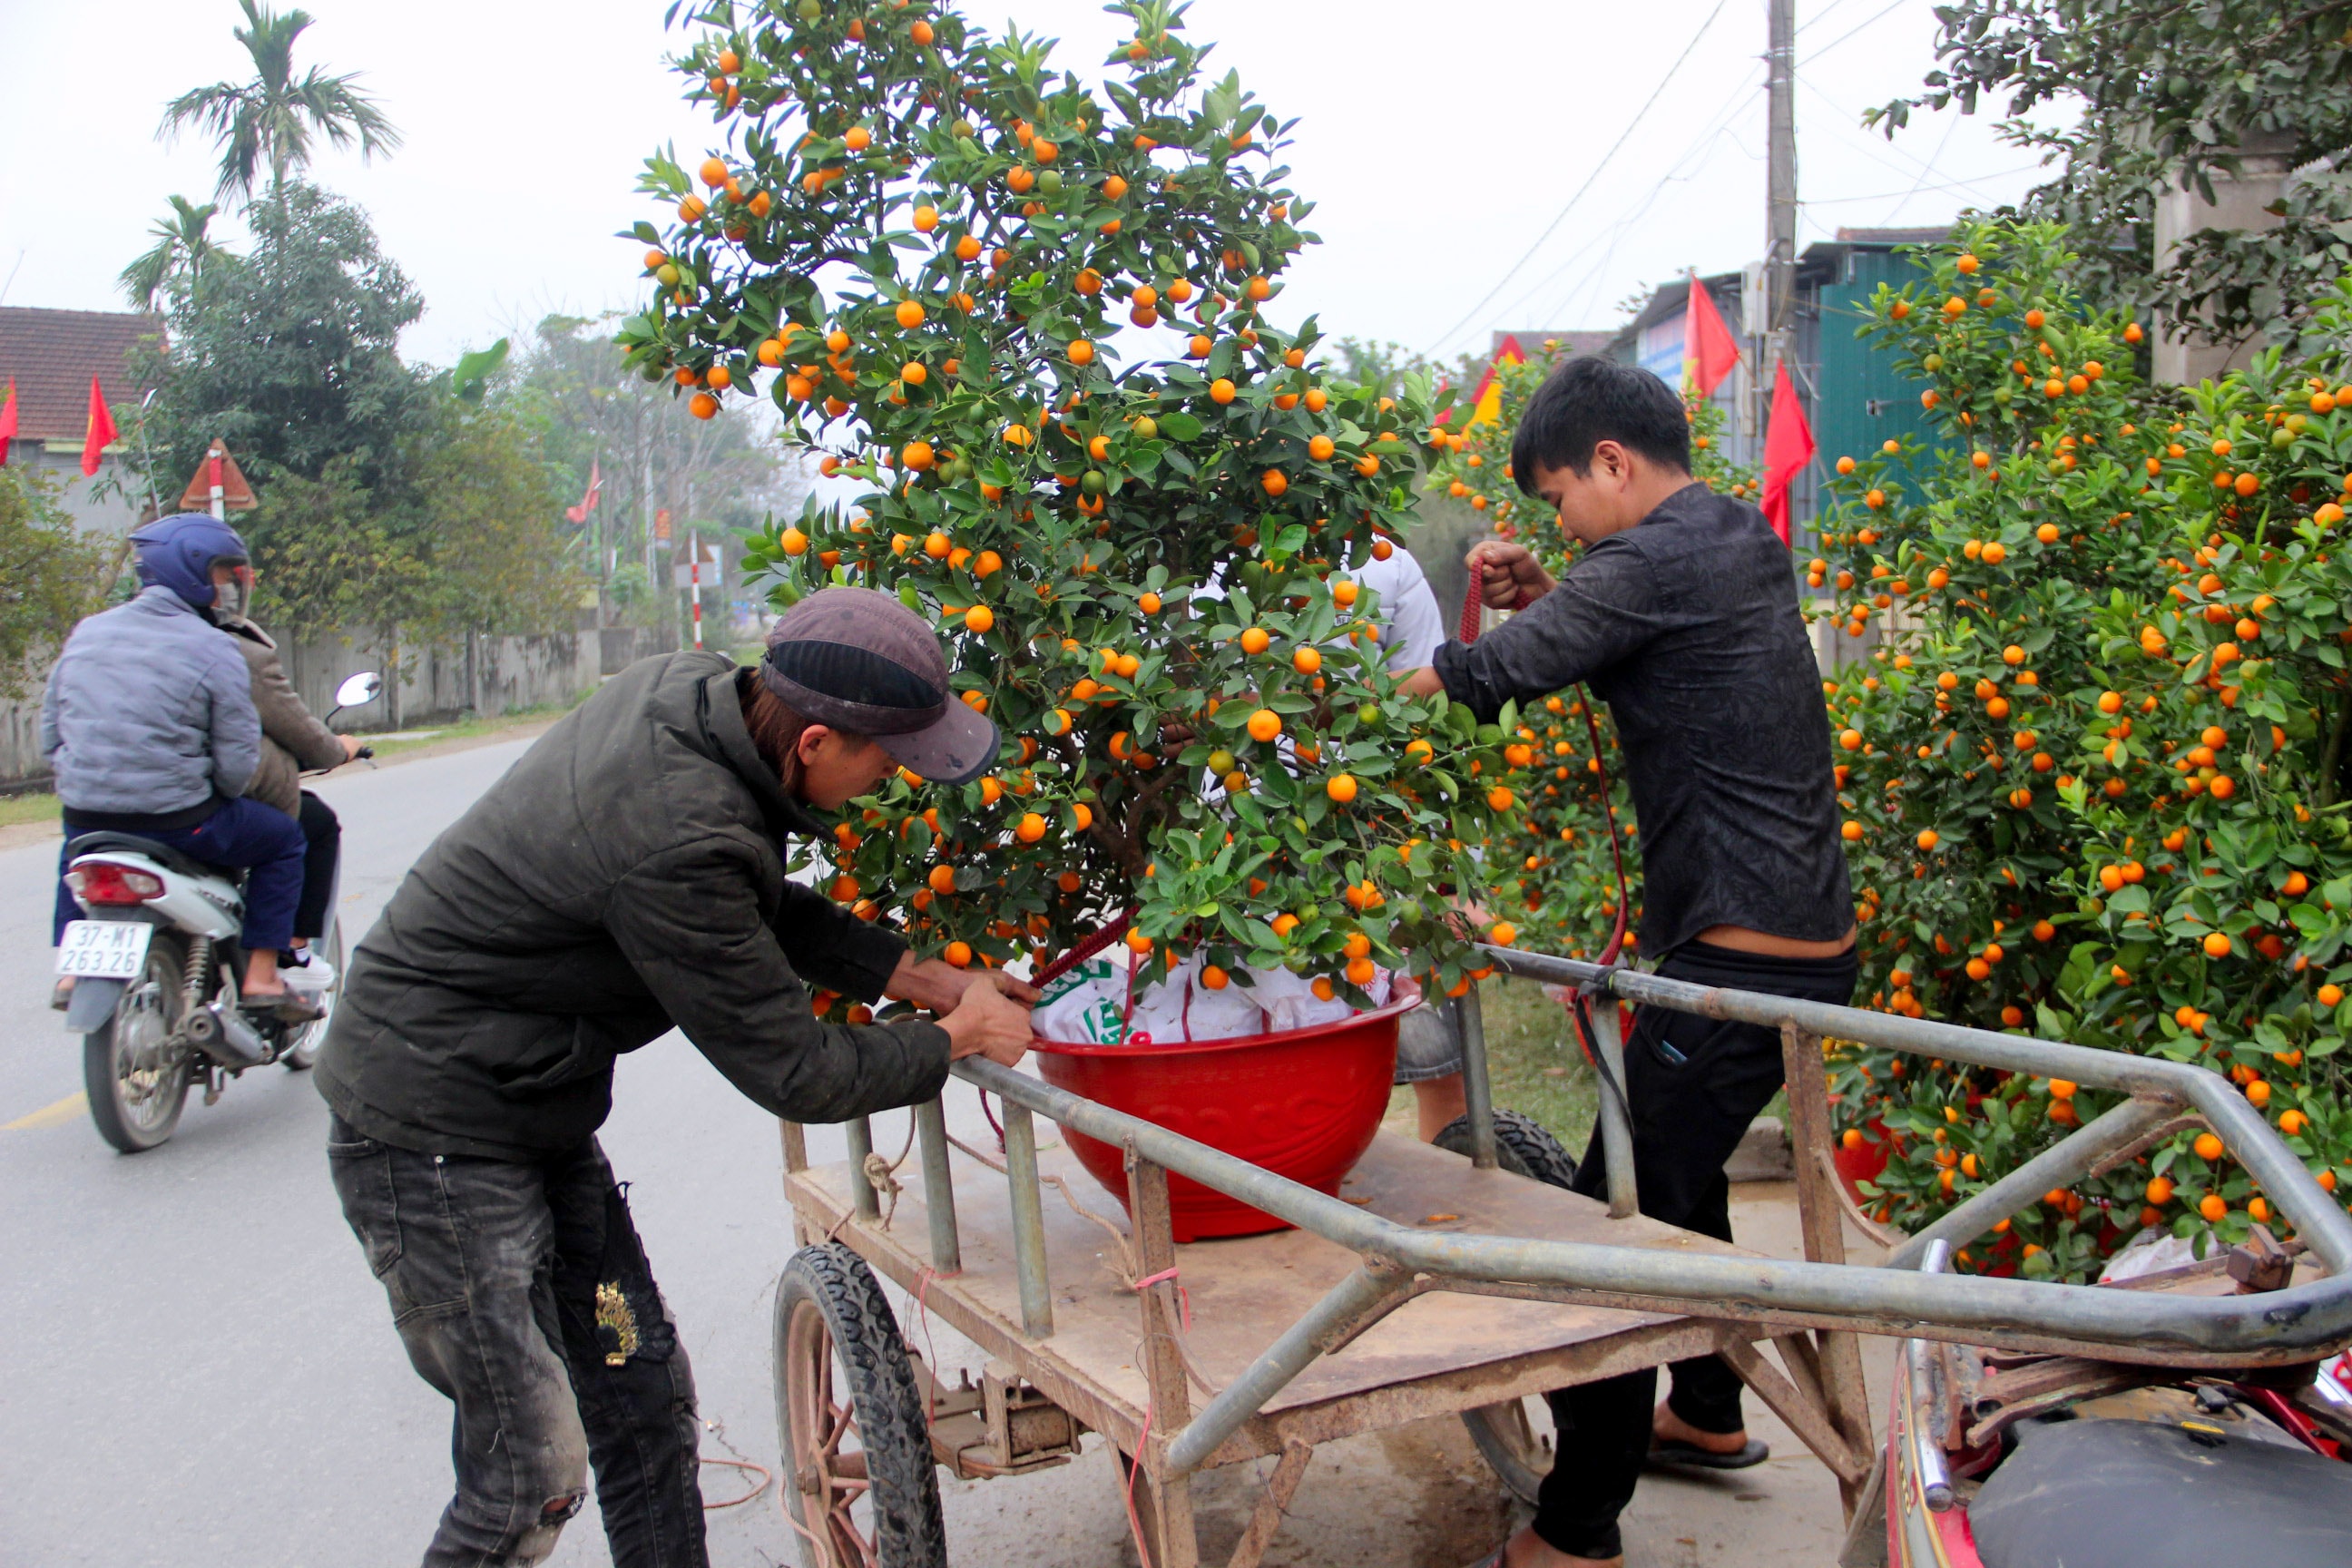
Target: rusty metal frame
1819, 1387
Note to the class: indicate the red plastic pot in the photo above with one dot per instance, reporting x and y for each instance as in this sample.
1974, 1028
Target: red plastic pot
1865, 1163
1302, 1104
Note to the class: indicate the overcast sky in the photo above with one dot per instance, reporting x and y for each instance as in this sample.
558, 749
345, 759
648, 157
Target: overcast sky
1440, 142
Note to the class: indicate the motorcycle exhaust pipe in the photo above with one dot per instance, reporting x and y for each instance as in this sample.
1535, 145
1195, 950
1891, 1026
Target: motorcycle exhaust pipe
225, 1036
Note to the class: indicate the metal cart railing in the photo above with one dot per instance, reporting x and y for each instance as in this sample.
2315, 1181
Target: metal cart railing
1659, 1294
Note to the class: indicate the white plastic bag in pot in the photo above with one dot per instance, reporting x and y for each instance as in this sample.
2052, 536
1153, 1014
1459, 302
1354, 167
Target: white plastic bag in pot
1088, 1004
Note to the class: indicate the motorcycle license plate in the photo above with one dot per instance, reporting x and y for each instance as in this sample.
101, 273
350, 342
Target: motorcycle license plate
104, 950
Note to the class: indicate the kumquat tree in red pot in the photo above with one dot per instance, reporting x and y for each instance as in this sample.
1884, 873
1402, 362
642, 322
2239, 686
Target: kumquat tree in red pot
2093, 782
1034, 318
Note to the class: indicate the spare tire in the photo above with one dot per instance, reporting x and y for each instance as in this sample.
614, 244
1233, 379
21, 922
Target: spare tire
1522, 1146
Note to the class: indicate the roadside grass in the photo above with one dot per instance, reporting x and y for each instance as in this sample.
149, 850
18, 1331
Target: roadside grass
18, 809
471, 728
1534, 1061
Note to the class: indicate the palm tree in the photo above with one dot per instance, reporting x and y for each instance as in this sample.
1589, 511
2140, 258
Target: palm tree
183, 248
272, 118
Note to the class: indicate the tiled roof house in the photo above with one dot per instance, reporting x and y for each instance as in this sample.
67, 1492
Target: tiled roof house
52, 356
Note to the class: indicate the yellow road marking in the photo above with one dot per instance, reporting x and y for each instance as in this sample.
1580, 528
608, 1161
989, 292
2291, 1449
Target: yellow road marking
65, 1110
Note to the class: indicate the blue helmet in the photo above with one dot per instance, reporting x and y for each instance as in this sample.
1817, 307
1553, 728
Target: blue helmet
180, 551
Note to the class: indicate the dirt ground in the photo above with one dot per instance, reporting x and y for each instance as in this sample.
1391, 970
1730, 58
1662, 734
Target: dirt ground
1420, 1496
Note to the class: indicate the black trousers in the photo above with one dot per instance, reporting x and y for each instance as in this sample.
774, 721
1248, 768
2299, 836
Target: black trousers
1693, 1085
523, 1296
322, 837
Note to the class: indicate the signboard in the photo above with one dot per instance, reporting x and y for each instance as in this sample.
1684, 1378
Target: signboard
661, 526
682, 567
235, 494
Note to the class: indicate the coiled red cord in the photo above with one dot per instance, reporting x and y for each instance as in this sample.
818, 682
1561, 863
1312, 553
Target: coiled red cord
1474, 607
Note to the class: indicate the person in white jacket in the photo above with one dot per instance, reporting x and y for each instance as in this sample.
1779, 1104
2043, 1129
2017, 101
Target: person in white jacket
1411, 628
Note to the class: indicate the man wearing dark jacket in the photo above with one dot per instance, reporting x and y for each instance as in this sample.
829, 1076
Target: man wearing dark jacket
625, 878
1682, 615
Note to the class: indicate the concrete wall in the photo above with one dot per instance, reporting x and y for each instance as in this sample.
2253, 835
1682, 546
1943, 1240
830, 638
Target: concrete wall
2241, 202
115, 513
437, 684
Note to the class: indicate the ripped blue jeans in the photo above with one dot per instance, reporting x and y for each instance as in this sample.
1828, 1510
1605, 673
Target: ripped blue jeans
522, 1295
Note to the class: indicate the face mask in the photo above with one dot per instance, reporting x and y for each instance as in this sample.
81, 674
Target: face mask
234, 597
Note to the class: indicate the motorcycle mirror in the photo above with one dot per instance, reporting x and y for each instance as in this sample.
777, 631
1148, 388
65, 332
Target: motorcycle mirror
360, 691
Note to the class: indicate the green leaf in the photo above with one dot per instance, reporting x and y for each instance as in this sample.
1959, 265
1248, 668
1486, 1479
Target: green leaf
471, 377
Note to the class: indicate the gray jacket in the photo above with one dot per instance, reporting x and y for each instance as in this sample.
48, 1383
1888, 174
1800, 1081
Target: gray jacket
293, 740
148, 711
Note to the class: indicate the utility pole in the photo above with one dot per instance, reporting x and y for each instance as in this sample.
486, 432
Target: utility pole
1781, 200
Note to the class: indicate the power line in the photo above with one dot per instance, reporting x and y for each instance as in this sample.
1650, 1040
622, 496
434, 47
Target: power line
1706, 138
1917, 190
1623, 137
1820, 15
1849, 32
1675, 175
1933, 159
1868, 146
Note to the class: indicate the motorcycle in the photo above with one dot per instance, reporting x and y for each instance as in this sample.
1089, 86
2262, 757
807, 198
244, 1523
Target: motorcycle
158, 970
2017, 1461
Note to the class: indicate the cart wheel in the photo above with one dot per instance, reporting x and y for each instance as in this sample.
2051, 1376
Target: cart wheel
1506, 1437
1506, 1434
1522, 1147
858, 1483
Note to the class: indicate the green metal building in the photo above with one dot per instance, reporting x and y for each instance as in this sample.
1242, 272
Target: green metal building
1854, 398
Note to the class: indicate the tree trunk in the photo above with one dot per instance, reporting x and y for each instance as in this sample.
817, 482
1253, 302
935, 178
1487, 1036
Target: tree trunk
2332, 765
391, 678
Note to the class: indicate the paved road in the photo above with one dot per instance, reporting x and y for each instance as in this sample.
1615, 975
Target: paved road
195, 1367
197, 1371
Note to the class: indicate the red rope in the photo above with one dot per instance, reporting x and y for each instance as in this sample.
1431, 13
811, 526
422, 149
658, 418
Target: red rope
1474, 607
1472, 611
1608, 814
1084, 950
1150, 1406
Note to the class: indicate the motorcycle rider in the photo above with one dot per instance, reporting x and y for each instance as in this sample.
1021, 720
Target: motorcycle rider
149, 726
293, 741
626, 877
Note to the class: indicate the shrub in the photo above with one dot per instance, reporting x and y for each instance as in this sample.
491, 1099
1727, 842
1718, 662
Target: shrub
2090, 783
50, 576
961, 275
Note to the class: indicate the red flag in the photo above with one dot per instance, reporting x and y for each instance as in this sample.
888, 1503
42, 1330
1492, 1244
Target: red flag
7, 421
102, 432
1788, 448
1708, 345
1486, 403
587, 503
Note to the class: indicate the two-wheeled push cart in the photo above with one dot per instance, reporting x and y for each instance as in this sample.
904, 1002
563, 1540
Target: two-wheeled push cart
1432, 1284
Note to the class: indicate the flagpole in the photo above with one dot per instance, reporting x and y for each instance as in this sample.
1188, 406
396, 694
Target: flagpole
1780, 196
147, 450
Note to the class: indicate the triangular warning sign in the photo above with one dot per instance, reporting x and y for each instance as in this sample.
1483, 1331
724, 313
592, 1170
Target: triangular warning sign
235, 494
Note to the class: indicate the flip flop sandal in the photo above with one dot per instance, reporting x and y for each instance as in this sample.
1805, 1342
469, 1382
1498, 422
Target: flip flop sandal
292, 1007
1678, 1455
